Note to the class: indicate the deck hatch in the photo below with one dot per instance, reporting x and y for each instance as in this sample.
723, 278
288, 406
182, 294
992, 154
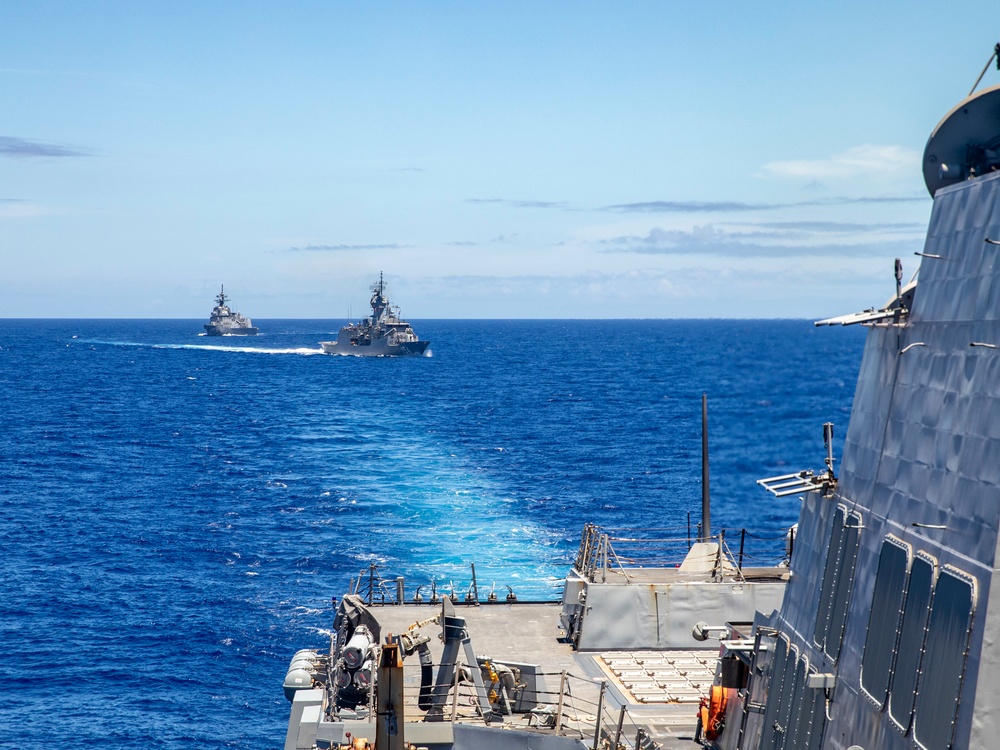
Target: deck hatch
883, 622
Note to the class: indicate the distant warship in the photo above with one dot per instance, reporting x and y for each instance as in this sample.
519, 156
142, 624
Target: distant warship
225, 322
381, 334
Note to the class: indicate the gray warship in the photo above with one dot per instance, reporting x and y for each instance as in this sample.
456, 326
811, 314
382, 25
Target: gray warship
225, 322
876, 629
887, 634
381, 334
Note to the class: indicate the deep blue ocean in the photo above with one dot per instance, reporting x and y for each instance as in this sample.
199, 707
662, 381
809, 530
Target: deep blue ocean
177, 511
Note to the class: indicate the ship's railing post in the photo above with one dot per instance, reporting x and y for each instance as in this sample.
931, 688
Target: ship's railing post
720, 558
618, 732
581, 553
604, 557
595, 558
562, 697
600, 714
609, 548
454, 697
588, 561
743, 538
475, 586
590, 552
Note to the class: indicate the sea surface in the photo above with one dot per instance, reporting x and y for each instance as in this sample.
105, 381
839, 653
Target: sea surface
176, 511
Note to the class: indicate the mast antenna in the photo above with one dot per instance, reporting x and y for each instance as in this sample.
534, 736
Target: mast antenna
706, 504
994, 56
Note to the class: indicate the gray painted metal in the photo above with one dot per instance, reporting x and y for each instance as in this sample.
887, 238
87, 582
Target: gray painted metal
921, 464
662, 615
964, 144
381, 334
455, 636
224, 322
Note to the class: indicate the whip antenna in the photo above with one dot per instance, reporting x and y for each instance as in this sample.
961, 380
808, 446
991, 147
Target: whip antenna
994, 56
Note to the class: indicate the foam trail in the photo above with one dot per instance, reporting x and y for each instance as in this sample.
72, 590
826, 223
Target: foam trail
301, 350
429, 513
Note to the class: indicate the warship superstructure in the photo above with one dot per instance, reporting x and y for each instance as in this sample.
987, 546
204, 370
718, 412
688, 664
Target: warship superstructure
883, 638
224, 322
887, 635
382, 334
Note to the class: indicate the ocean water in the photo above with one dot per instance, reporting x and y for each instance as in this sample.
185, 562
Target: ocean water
177, 511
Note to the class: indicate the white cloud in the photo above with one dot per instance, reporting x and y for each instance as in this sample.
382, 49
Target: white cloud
789, 239
13, 208
854, 162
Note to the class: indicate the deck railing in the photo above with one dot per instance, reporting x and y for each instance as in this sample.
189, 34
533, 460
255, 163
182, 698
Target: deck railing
604, 549
374, 589
573, 706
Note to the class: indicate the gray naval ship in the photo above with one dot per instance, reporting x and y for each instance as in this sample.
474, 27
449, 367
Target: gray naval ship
887, 636
875, 631
225, 322
381, 334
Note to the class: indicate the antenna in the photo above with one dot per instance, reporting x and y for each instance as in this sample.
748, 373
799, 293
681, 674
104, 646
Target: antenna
706, 503
994, 56
828, 442
899, 281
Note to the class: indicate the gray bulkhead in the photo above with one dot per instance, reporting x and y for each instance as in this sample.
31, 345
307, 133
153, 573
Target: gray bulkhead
661, 613
921, 464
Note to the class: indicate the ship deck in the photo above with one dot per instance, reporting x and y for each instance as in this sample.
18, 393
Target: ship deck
660, 690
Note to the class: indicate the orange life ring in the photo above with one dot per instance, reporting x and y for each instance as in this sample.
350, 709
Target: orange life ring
714, 715
702, 719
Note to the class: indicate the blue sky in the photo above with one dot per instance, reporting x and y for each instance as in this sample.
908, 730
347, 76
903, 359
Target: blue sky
529, 160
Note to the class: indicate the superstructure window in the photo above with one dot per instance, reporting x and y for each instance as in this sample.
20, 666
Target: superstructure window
944, 659
762, 671
781, 667
802, 712
795, 675
838, 577
883, 622
795, 716
911, 641
809, 717
817, 720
